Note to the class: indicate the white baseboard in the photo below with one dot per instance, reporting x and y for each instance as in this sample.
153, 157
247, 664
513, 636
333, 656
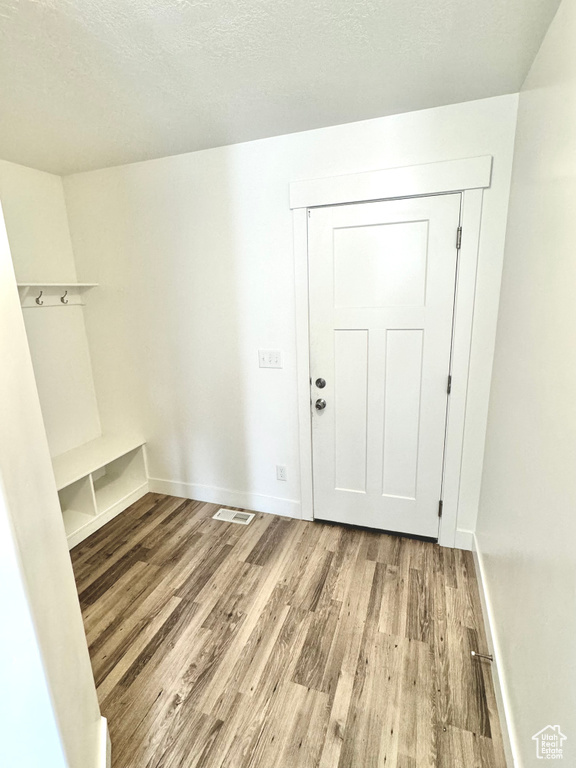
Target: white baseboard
500, 687
464, 540
105, 754
252, 501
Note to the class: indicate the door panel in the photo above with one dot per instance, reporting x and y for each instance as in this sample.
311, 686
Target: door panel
382, 279
380, 266
402, 412
350, 404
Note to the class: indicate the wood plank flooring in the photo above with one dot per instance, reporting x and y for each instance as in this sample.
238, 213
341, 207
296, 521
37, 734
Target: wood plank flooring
283, 644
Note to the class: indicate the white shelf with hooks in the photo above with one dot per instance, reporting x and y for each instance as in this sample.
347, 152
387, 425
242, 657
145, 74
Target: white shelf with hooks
53, 294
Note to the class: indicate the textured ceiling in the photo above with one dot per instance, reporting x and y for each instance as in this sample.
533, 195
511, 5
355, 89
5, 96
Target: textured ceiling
92, 83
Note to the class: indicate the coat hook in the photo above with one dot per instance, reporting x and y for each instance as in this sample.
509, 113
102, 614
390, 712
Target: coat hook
39, 299
63, 299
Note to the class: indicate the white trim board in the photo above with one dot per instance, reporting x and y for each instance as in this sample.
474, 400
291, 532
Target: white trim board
255, 502
464, 540
300, 223
105, 753
467, 176
408, 181
498, 678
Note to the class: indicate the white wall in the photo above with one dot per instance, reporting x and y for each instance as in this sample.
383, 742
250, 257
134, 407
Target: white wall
37, 226
195, 255
36, 222
52, 717
527, 523
25, 706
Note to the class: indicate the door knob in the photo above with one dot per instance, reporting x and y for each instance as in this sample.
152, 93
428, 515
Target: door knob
320, 383
320, 404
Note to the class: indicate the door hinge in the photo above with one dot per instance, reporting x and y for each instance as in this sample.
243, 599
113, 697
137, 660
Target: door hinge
449, 387
440, 505
458, 238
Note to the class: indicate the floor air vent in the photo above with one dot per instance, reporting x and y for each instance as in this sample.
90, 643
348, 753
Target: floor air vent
233, 516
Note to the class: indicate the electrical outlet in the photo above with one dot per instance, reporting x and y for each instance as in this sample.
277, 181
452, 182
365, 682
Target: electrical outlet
270, 358
281, 473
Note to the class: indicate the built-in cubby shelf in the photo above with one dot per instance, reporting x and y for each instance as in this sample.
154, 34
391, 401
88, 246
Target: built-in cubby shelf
97, 481
37, 295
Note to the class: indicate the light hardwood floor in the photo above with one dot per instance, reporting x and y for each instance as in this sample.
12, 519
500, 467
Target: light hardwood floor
283, 644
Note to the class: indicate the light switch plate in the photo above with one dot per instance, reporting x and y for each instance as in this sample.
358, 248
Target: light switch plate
270, 358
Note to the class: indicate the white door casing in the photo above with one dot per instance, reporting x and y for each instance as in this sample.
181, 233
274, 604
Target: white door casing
469, 176
382, 281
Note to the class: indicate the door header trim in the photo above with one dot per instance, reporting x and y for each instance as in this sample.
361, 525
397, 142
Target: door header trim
410, 181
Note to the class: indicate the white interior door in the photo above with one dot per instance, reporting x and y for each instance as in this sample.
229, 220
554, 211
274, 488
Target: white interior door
382, 282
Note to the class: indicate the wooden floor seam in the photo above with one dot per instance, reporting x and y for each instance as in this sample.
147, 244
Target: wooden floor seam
283, 644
